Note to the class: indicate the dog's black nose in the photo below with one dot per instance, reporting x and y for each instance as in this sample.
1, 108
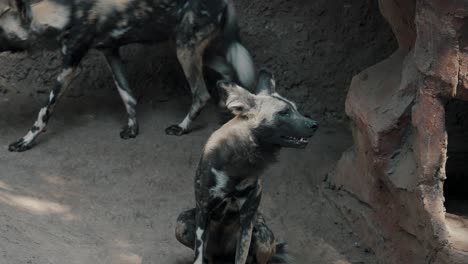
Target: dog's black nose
313, 125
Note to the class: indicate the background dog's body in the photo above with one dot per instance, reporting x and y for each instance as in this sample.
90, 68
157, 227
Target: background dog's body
228, 184
79, 25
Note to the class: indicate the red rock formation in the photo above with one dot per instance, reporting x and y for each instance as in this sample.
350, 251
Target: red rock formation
396, 168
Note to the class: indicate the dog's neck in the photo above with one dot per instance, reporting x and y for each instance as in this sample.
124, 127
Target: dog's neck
235, 147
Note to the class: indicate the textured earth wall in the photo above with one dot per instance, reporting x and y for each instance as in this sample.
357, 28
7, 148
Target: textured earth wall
314, 47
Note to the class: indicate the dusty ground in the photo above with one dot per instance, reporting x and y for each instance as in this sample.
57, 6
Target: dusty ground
83, 195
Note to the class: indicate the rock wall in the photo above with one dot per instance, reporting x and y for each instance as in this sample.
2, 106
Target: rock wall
314, 47
396, 168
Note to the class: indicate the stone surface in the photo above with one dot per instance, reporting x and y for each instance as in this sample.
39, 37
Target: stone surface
401, 14
396, 168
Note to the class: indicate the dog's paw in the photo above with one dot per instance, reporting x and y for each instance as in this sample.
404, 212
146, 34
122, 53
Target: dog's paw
175, 130
129, 132
20, 146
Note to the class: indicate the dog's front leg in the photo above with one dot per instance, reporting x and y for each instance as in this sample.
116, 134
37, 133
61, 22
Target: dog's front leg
248, 211
126, 93
63, 81
191, 61
73, 50
202, 219
191, 43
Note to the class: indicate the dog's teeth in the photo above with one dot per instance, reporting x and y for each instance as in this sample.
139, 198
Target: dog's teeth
298, 139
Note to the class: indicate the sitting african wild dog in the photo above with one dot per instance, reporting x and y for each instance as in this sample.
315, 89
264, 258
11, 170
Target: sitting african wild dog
225, 223
79, 25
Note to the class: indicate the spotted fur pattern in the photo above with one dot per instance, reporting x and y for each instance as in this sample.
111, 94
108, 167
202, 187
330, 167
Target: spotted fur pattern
225, 225
106, 25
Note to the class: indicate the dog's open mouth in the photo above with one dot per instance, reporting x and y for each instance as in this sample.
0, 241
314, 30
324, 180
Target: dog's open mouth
296, 140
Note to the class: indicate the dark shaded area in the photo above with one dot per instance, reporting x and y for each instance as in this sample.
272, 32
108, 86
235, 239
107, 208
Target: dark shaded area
316, 47
456, 185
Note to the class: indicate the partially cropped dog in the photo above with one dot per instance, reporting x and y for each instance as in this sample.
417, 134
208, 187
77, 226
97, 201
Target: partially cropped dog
226, 225
79, 25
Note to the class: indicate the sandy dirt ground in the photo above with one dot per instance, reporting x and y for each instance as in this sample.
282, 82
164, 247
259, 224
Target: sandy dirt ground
82, 195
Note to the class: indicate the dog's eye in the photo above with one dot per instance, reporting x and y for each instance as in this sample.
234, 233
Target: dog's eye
285, 112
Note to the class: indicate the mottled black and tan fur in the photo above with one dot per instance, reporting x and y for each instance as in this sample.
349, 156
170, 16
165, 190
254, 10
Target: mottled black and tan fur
76, 26
226, 225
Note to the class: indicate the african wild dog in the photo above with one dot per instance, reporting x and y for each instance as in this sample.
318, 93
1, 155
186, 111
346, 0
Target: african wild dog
79, 25
228, 187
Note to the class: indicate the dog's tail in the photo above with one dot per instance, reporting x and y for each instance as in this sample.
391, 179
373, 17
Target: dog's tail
236, 54
281, 255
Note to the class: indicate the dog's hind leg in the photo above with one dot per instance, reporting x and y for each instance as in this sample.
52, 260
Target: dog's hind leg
191, 61
185, 229
126, 93
263, 242
190, 47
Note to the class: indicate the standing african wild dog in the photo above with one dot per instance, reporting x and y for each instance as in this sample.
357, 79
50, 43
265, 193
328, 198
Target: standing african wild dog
79, 25
228, 186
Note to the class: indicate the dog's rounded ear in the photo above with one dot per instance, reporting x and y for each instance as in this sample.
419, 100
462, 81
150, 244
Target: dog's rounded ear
237, 99
266, 82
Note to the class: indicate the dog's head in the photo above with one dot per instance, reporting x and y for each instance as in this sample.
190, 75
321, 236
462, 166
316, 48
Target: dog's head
273, 119
15, 18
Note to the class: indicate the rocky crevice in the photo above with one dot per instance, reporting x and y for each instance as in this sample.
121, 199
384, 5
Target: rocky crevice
412, 84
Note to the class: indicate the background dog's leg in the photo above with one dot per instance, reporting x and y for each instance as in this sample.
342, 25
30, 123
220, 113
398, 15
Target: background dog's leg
248, 210
126, 93
185, 229
191, 45
62, 83
191, 61
74, 47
